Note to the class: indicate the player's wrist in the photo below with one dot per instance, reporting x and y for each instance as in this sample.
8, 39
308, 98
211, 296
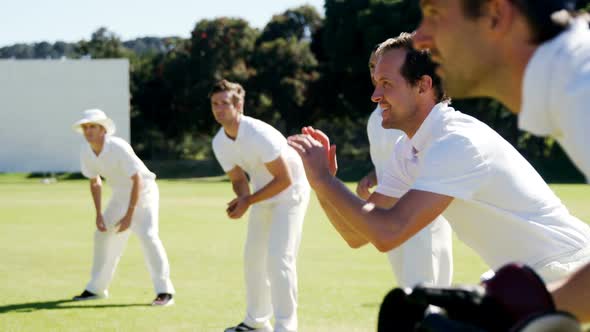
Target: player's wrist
373, 179
322, 183
130, 211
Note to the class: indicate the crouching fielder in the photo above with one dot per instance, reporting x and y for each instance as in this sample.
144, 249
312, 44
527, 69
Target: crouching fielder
133, 206
281, 194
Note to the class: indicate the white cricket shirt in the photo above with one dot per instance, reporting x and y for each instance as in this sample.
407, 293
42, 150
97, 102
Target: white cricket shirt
117, 163
556, 92
256, 144
432, 246
502, 208
381, 141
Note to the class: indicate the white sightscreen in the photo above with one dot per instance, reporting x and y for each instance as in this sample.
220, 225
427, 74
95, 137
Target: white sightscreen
41, 99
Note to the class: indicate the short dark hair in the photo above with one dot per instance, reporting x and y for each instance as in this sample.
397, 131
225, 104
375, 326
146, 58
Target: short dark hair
537, 13
238, 92
416, 64
371, 55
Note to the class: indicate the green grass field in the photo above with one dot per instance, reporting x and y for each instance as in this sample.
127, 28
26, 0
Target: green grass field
46, 251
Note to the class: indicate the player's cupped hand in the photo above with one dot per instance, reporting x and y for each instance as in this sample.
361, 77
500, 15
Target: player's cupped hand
100, 225
124, 224
313, 154
321, 137
237, 207
366, 183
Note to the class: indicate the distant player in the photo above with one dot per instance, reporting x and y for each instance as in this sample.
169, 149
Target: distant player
279, 200
426, 258
133, 207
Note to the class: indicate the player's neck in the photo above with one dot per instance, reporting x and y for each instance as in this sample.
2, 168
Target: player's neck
98, 145
513, 56
231, 128
414, 123
507, 85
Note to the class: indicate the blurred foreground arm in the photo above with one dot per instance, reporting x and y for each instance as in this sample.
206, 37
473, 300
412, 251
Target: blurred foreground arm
573, 295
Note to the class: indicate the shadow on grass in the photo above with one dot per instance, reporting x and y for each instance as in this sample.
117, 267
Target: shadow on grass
62, 304
61, 176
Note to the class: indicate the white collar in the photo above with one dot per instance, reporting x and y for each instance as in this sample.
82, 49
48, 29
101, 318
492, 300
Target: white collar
423, 135
106, 146
240, 123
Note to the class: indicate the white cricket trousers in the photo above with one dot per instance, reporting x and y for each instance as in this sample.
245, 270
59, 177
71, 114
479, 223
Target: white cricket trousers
555, 268
109, 245
270, 256
562, 266
426, 258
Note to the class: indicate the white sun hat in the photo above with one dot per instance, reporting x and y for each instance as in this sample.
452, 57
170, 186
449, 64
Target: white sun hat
96, 116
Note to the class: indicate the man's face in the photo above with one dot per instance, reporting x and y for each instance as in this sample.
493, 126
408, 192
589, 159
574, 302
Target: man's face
223, 107
396, 97
93, 132
458, 44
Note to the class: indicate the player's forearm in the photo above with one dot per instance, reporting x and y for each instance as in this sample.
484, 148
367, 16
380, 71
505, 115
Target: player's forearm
271, 189
96, 192
353, 238
372, 175
572, 296
241, 188
378, 226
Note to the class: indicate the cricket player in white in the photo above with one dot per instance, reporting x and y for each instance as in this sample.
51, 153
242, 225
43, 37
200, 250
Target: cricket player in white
426, 258
452, 164
531, 55
133, 207
279, 201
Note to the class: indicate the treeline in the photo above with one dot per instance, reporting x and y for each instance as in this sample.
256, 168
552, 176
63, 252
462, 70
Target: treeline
300, 69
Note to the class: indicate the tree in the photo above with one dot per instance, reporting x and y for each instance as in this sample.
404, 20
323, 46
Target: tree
103, 44
219, 48
174, 103
284, 70
42, 50
583, 4
299, 23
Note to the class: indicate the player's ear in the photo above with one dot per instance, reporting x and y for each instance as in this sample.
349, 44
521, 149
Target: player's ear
424, 84
499, 15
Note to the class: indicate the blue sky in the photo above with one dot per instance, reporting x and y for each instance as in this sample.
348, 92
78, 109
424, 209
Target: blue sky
28, 21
